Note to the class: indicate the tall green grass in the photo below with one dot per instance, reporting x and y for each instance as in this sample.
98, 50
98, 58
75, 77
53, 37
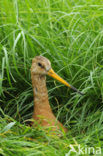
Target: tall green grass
70, 35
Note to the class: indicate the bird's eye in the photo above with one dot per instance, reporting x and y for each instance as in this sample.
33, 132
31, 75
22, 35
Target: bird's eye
40, 65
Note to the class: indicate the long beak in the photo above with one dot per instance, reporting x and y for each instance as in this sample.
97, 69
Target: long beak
57, 77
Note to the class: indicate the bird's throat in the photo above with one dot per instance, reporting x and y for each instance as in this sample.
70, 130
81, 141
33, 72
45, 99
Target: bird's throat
40, 92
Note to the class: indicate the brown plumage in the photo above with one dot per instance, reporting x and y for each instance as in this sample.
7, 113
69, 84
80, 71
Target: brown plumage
43, 114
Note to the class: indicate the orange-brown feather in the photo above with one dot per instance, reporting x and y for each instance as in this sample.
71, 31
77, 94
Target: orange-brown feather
42, 111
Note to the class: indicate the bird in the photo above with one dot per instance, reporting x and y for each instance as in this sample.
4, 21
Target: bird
42, 113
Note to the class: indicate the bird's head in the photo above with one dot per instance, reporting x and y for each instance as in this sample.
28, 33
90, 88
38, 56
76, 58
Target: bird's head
42, 66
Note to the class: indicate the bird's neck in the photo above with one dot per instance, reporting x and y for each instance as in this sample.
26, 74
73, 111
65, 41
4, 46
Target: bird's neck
40, 93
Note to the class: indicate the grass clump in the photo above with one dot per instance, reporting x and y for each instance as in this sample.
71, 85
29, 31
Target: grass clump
70, 34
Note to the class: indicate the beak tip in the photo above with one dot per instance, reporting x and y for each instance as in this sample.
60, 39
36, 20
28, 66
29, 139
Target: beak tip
76, 90
82, 94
